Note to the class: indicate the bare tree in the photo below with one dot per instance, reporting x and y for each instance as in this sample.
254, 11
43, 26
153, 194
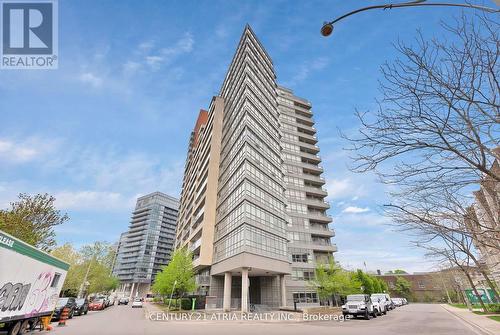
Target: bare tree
434, 135
442, 235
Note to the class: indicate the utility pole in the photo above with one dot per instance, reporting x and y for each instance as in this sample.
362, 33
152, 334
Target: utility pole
84, 282
445, 288
171, 294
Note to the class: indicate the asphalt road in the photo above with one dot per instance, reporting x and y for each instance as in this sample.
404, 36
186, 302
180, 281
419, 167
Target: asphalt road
421, 319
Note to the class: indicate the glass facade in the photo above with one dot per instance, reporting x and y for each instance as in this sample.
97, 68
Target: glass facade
148, 243
251, 204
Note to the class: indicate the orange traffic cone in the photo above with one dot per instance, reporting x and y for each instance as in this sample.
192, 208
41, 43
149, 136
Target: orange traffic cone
63, 317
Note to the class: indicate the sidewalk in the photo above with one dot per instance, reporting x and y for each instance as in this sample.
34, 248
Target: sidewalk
480, 323
150, 308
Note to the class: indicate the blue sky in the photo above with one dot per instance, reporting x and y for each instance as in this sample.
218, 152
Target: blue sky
113, 122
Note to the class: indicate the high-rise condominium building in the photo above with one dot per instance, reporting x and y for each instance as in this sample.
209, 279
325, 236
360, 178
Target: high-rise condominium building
252, 204
147, 244
483, 221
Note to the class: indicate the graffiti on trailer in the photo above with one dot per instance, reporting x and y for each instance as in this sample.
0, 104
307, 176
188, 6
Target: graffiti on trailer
38, 300
13, 296
36, 295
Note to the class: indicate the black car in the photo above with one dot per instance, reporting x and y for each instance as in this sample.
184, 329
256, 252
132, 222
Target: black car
69, 303
82, 306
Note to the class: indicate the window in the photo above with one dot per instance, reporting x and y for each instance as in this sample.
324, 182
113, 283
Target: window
55, 280
421, 284
301, 258
302, 274
305, 297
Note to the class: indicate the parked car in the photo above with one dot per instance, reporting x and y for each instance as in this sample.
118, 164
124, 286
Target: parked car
107, 301
380, 303
386, 299
97, 304
137, 303
123, 301
62, 303
391, 303
398, 302
110, 301
82, 306
359, 304
405, 302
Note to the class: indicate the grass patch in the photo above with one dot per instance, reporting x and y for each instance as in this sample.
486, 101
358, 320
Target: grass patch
458, 305
495, 317
464, 306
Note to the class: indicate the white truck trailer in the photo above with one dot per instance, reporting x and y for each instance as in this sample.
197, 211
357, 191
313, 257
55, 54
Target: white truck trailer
30, 283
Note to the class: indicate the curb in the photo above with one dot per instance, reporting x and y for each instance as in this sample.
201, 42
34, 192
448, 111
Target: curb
470, 323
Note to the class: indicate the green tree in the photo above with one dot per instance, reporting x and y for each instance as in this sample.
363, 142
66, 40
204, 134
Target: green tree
98, 260
90, 266
75, 274
32, 219
383, 286
400, 272
376, 285
403, 287
332, 281
100, 251
365, 280
178, 275
100, 278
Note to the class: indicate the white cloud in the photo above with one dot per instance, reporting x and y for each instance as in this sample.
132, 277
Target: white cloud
184, 45
154, 61
307, 68
146, 45
340, 188
22, 151
163, 56
355, 210
91, 79
97, 178
131, 67
362, 219
104, 201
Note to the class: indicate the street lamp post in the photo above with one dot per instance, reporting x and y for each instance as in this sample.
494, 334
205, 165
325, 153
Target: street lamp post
327, 28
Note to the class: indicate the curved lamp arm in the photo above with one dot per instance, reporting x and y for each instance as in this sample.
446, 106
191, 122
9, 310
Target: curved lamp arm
327, 28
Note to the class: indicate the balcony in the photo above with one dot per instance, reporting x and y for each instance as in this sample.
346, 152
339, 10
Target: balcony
303, 108
315, 159
308, 146
195, 245
309, 167
311, 138
316, 180
324, 247
307, 129
323, 232
306, 119
317, 203
315, 190
202, 280
317, 216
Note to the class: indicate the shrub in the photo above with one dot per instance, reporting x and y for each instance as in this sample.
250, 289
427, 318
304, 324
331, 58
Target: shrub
493, 308
186, 303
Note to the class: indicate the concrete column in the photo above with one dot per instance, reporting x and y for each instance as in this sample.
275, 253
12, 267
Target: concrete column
227, 292
244, 290
283, 290
132, 291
